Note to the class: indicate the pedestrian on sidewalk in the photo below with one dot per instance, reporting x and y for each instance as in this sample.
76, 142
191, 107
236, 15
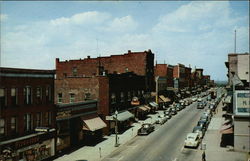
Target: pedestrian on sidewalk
203, 156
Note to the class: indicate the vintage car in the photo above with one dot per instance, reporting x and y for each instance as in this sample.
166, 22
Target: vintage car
192, 140
145, 129
161, 119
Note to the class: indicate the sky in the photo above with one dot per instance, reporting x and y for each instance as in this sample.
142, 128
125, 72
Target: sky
195, 33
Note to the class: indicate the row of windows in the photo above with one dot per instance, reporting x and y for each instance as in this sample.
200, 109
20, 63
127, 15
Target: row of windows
129, 95
27, 95
72, 97
30, 121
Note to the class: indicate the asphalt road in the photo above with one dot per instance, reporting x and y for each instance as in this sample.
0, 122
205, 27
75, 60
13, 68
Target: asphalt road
165, 143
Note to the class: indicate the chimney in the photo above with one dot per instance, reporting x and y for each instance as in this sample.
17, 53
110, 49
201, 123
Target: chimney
129, 51
88, 57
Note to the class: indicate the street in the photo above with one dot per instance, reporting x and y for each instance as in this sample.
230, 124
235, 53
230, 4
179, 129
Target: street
165, 143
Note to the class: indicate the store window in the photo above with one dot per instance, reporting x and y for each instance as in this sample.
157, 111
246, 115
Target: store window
27, 95
71, 97
113, 98
13, 96
13, 124
2, 127
2, 97
59, 98
27, 122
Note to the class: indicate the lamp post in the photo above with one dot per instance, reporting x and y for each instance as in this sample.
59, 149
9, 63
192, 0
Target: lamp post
116, 129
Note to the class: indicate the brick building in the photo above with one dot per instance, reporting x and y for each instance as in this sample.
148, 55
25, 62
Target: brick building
165, 70
179, 75
141, 63
27, 114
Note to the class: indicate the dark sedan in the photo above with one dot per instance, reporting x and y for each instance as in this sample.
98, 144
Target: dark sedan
145, 129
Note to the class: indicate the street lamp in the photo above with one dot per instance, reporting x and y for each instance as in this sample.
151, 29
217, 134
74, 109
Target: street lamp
116, 129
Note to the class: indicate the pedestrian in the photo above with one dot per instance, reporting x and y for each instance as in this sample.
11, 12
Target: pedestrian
203, 156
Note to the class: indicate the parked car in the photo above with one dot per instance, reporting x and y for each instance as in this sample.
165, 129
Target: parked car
199, 99
203, 124
192, 140
173, 111
194, 99
167, 114
205, 117
161, 119
145, 129
199, 130
178, 107
200, 105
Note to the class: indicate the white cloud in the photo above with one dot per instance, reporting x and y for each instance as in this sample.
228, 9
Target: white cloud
3, 17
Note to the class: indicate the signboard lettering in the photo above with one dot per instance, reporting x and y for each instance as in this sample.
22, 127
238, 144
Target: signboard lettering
242, 103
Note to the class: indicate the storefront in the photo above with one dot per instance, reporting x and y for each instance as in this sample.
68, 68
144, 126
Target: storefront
142, 112
163, 102
34, 147
124, 119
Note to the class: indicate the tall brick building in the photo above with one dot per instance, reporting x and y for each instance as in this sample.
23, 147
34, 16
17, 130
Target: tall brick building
141, 63
27, 114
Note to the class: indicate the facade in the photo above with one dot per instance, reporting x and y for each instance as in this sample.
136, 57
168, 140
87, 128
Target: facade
140, 63
166, 71
238, 64
27, 114
238, 71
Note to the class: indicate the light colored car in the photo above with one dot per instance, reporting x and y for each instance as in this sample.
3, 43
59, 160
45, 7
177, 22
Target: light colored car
192, 140
161, 119
199, 130
194, 99
199, 99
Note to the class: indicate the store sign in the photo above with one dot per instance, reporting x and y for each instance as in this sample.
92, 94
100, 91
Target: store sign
26, 142
63, 114
242, 103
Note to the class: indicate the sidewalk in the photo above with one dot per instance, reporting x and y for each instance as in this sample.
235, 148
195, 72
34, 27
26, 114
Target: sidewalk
212, 140
103, 149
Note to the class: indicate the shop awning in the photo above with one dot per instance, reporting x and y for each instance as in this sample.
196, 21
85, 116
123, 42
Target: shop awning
228, 99
153, 104
123, 116
164, 99
227, 131
147, 107
93, 124
143, 108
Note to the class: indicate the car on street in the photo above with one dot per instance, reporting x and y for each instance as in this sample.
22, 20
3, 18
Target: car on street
203, 124
199, 99
194, 99
205, 117
200, 105
161, 119
173, 111
199, 130
146, 129
192, 140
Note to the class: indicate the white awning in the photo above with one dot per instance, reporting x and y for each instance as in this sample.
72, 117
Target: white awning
123, 116
93, 124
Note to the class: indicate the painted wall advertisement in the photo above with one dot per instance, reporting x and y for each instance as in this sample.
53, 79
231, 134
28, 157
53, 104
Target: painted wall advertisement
242, 103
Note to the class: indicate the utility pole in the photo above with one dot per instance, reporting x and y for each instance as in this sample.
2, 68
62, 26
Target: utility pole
116, 129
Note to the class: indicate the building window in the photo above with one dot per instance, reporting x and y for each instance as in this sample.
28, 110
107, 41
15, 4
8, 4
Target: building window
14, 96
87, 96
122, 97
39, 119
74, 71
2, 97
2, 127
13, 124
64, 75
71, 97
129, 96
27, 122
50, 118
46, 119
39, 93
48, 94
59, 98
113, 98
27, 95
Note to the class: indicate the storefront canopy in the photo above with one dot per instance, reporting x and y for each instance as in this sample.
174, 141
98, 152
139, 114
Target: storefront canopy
93, 124
123, 116
143, 108
164, 99
153, 104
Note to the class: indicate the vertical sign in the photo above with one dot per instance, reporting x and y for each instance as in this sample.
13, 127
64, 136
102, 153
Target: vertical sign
242, 103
